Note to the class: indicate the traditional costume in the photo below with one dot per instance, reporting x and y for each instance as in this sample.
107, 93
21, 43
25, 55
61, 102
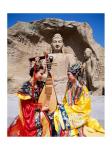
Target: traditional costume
32, 120
73, 114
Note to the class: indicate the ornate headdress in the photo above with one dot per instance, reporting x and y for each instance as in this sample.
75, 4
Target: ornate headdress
75, 69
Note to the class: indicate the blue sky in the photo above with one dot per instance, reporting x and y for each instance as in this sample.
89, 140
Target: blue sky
96, 20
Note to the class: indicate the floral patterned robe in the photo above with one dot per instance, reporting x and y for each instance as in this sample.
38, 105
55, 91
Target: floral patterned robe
74, 113
31, 121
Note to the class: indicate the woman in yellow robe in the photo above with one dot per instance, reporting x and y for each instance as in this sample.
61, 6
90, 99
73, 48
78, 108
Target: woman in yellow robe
72, 117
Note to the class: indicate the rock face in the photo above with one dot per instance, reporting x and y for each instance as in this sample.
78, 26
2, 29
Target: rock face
31, 39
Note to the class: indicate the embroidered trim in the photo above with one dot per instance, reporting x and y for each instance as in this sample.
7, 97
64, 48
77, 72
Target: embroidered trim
65, 117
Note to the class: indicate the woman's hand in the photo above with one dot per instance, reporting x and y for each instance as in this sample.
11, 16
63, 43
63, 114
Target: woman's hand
45, 108
81, 132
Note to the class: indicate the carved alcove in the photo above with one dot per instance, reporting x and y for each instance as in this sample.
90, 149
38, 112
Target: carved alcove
30, 39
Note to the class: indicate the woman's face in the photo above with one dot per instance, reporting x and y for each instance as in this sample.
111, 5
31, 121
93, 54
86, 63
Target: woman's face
71, 77
39, 75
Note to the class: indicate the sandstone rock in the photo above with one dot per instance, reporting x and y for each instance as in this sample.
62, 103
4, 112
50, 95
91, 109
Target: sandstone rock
30, 39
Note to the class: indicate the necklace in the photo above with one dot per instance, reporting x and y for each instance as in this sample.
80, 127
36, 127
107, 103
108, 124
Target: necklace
73, 93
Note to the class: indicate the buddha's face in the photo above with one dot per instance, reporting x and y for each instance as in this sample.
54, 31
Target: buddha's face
87, 53
57, 43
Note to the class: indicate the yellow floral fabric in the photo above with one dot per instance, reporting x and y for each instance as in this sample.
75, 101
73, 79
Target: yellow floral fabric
78, 115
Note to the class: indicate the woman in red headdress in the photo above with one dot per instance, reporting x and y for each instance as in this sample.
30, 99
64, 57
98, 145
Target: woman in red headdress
32, 119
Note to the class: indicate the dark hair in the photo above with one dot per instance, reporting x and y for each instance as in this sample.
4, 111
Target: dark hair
37, 69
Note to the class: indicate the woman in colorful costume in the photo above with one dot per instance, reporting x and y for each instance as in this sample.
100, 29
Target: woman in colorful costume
72, 117
32, 119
